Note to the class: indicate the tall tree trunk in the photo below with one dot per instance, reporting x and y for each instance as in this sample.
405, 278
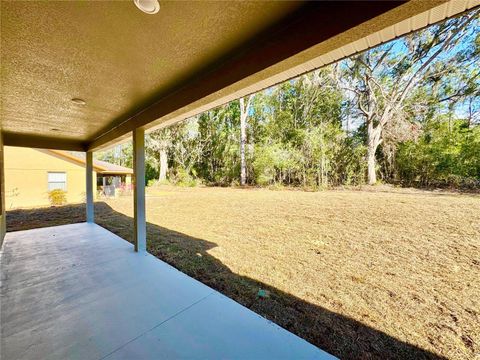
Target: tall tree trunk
372, 176
243, 141
162, 173
373, 141
243, 138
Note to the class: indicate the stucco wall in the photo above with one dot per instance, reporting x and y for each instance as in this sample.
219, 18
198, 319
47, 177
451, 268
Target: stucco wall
26, 177
3, 227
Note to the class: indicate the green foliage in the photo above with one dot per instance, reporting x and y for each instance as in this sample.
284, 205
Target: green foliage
349, 167
151, 172
219, 130
447, 154
183, 178
57, 197
420, 123
275, 164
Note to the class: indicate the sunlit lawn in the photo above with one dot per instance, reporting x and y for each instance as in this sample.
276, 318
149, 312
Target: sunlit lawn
361, 274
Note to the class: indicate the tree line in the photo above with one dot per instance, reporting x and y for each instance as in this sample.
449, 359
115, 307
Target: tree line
405, 112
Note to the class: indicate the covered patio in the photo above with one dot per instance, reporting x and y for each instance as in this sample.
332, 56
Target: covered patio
106, 73
80, 292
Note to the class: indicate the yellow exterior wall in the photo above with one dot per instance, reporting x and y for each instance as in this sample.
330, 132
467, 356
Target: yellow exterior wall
26, 177
3, 226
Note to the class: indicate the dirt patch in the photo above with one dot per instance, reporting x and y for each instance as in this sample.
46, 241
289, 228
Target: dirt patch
360, 274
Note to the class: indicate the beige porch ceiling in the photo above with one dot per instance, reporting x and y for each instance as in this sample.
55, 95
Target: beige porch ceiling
138, 70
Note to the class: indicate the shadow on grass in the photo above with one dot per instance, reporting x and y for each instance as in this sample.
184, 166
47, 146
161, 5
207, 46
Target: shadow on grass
339, 335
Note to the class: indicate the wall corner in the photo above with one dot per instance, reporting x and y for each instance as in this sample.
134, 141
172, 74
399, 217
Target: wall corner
3, 222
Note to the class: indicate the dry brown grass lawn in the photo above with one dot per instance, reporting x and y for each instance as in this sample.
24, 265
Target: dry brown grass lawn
361, 274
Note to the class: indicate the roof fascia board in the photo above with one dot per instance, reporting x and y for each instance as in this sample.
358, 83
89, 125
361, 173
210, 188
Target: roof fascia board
67, 156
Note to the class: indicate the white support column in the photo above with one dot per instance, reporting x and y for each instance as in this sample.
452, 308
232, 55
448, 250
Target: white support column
89, 181
140, 236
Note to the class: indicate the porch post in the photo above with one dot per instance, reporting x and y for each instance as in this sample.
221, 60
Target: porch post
89, 180
140, 236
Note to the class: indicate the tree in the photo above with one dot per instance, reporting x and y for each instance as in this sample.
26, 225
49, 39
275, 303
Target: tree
187, 149
299, 138
120, 155
158, 144
384, 78
244, 109
407, 112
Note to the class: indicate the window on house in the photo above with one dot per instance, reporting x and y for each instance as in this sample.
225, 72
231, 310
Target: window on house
57, 180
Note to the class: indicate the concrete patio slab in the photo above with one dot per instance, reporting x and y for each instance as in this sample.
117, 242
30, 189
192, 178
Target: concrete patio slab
81, 292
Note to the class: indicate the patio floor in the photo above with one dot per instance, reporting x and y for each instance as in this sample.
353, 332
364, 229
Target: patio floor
81, 292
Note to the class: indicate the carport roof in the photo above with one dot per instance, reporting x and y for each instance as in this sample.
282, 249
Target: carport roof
138, 70
100, 167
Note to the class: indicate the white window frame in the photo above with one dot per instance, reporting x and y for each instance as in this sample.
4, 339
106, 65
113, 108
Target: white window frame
64, 173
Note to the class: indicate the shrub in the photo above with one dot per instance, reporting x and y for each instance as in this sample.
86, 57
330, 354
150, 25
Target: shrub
57, 197
445, 155
183, 178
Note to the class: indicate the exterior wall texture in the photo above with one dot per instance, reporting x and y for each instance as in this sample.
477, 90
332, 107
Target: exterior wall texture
3, 226
26, 177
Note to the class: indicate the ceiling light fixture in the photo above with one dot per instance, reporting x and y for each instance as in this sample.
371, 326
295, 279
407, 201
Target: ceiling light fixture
78, 101
148, 6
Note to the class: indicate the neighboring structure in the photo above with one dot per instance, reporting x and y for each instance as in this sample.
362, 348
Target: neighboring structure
31, 173
111, 177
